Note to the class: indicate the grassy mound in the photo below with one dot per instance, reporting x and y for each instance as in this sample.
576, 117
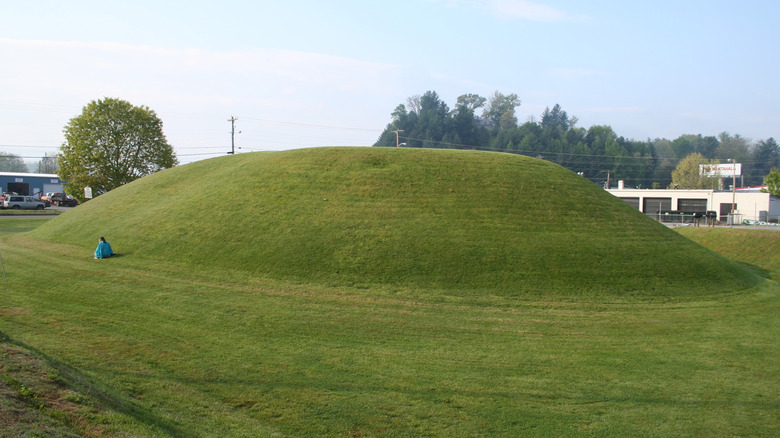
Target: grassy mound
400, 218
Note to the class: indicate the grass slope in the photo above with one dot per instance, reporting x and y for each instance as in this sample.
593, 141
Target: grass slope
757, 247
176, 351
407, 218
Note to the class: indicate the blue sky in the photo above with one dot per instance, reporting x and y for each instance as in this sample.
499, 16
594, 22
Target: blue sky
321, 73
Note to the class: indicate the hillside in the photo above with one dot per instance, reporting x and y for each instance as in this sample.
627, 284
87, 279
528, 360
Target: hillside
400, 218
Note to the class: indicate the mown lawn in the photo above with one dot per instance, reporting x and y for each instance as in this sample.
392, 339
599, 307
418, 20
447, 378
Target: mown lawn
172, 351
412, 218
759, 248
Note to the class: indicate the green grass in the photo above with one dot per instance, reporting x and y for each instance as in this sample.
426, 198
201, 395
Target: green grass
217, 353
195, 331
466, 222
11, 212
757, 247
20, 225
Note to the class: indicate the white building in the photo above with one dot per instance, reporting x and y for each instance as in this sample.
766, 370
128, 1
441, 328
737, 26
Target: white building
749, 203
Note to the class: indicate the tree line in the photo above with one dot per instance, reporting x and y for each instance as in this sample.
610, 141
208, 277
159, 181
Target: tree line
114, 142
598, 152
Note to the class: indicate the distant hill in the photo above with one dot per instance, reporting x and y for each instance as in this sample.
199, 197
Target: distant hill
465, 221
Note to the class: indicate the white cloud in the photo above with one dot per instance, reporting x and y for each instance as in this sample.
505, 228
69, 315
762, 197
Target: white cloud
115, 67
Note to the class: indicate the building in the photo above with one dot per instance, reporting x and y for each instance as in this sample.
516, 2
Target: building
30, 183
749, 203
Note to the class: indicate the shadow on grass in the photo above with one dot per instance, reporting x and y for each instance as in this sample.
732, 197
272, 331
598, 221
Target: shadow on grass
761, 272
99, 392
16, 230
115, 256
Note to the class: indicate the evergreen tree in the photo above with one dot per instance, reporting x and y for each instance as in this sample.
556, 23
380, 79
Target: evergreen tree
555, 117
765, 156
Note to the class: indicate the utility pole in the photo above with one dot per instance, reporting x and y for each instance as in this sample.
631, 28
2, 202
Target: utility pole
232, 121
396, 136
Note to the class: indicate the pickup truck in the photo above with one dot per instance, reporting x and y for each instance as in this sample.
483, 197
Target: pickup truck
63, 200
19, 202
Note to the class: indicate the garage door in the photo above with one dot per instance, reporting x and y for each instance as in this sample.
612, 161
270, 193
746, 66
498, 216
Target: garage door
53, 188
654, 205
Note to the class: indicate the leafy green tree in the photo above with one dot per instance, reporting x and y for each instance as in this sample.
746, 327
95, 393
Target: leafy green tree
12, 163
599, 139
683, 146
773, 182
471, 101
707, 145
112, 143
631, 161
732, 147
641, 167
665, 162
501, 110
687, 175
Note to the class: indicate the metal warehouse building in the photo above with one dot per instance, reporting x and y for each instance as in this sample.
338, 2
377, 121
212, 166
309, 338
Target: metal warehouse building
749, 202
30, 183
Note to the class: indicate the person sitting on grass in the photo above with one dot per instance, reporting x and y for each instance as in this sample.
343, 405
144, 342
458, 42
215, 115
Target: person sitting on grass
103, 249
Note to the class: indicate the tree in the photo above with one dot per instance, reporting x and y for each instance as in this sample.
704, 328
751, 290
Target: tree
555, 117
12, 163
470, 101
732, 148
463, 125
48, 164
772, 182
112, 143
766, 156
431, 124
687, 175
684, 145
414, 103
501, 110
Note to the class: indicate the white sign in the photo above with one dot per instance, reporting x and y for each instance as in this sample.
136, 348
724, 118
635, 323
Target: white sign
721, 170
88, 192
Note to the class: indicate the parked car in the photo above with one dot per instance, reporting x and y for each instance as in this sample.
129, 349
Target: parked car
63, 200
18, 202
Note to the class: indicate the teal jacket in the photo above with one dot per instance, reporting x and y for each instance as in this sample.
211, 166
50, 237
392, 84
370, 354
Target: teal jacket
103, 250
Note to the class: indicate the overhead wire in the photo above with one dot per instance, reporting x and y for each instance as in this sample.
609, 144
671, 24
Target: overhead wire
557, 156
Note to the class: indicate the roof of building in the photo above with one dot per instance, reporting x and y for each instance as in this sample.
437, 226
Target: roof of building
30, 175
